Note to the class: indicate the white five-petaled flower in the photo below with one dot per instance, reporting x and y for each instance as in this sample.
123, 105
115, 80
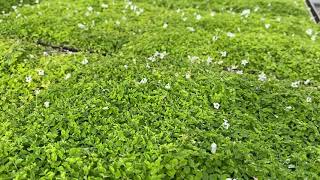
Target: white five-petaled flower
309, 99
244, 62
215, 38
82, 26
262, 77
191, 29
216, 105
67, 76
309, 32
167, 86
144, 81
198, 17
226, 124
295, 84
28, 79
213, 148
193, 59
231, 35
267, 26
223, 53
188, 75
37, 92
41, 72
46, 104
209, 60
245, 13
104, 6
84, 61
165, 25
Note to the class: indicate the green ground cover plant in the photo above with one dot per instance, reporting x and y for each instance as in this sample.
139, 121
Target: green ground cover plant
159, 89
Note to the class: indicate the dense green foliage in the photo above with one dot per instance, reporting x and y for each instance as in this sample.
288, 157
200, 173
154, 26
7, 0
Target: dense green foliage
247, 81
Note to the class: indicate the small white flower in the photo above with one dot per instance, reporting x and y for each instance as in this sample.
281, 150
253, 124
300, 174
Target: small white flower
244, 62
167, 86
67, 76
46, 104
162, 55
125, 66
256, 8
209, 60
262, 77
213, 148
239, 72
188, 75
147, 66
198, 17
105, 108
291, 166
231, 35
85, 61
226, 124
223, 53
45, 53
104, 6
313, 38
295, 84
90, 8
212, 13
220, 62
215, 38
306, 82
144, 81
117, 23
245, 12
41, 72
216, 105
37, 92
165, 25
288, 108
28, 79
309, 32
267, 26
82, 26
191, 29
193, 59
309, 99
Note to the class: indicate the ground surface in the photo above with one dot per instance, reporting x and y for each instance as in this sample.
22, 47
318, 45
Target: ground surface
245, 81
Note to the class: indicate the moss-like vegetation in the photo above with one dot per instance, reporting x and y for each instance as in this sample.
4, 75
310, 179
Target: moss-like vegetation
154, 85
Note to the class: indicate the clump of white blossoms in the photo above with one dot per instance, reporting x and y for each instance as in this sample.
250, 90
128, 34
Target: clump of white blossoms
167, 86
246, 13
41, 72
84, 61
244, 62
193, 59
226, 124
231, 35
157, 55
143, 81
309, 32
28, 79
262, 77
216, 105
46, 104
295, 84
213, 148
